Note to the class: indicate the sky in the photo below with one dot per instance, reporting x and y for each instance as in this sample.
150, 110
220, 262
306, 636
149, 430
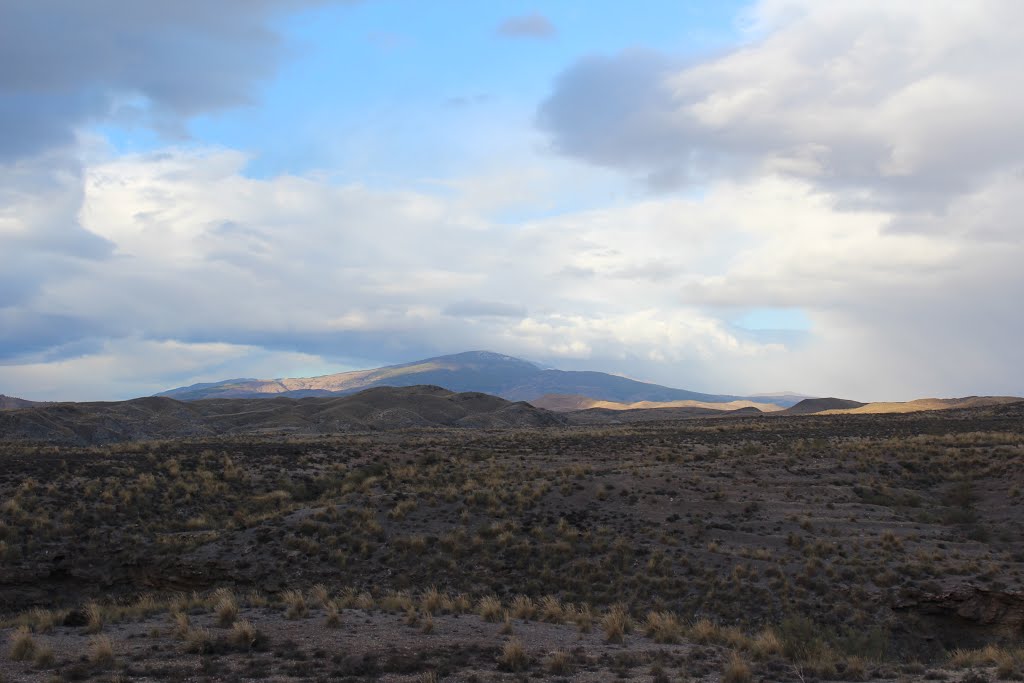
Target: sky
728, 197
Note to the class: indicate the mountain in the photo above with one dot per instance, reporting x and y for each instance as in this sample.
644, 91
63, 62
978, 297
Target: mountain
382, 408
481, 371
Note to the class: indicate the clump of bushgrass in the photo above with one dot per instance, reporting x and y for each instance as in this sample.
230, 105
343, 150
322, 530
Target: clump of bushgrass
226, 607
101, 650
663, 627
766, 644
243, 634
558, 662
44, 620
584, 618
489, 609
433, 601
736, 670
321, 595
198, 640
616, 624
513, 655
552, 610
523, 608
295, 604
44, 657
333, 618
93, 618
180, 625
23, 646
705, 631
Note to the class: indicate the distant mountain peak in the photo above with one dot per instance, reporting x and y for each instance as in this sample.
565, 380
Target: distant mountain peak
482, 371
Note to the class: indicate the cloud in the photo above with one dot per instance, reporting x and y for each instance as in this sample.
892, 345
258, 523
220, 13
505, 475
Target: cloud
197, 254
484, 309
125, 368
853, 161
896, 105
65, 64
527, 26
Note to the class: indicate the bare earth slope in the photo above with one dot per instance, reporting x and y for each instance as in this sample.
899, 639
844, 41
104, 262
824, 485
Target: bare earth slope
164, 418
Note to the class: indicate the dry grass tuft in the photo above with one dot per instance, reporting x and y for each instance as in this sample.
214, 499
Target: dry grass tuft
101, 650
551, 610
705, 631
663, 627
766, 644
226, 607
180, 626
616, 624
558, 663
321, 595
513, 655
584, 618
93, 618
198, 640
295, 604
333, 619
23, 646
44, 657
523, 608
489, 609
736, 670
243, 634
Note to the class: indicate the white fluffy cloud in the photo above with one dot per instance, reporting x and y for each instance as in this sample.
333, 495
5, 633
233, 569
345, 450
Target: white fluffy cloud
855, 161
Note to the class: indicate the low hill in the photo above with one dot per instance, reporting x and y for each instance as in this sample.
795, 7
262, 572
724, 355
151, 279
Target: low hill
567, 403
923, 404
13, 403
609, 416
384, 408
811, 406
481, 371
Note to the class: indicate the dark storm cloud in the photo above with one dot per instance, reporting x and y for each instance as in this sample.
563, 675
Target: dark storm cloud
66, 63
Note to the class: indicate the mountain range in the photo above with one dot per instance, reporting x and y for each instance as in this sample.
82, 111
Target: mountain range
511, 378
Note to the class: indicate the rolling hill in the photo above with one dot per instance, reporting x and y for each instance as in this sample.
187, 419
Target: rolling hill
13, 403
562, 403
381, 408
480, 371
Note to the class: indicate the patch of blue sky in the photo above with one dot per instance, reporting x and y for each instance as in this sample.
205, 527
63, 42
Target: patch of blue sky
387, 92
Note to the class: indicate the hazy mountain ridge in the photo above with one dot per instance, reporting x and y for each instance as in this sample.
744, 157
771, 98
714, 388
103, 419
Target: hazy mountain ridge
483, 371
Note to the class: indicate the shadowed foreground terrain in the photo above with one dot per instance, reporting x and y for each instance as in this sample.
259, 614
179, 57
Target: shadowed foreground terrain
793, 548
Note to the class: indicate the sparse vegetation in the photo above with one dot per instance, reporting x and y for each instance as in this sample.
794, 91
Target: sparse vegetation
824, 547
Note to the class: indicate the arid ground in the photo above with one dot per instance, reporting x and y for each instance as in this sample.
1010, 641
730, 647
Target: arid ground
783, 548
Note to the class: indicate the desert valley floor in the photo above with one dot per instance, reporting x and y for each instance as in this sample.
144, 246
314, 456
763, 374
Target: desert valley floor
782, 548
